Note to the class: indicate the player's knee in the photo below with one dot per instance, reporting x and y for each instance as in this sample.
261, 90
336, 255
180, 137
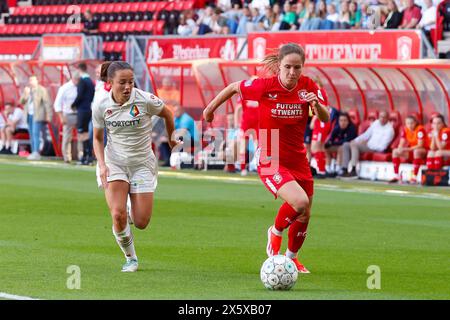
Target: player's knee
119, 216
141, 223
300, 205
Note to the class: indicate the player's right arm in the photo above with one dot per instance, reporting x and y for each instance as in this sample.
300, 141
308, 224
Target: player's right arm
98, 123
223, 96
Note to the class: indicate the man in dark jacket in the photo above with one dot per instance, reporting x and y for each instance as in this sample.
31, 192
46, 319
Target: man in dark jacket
344, 131
82, 103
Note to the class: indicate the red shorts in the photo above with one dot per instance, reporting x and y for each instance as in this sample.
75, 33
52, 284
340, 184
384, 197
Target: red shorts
319, 135
275, 179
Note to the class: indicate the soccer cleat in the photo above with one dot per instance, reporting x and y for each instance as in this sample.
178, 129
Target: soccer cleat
394, 179
273, 243
300, 267
130, 266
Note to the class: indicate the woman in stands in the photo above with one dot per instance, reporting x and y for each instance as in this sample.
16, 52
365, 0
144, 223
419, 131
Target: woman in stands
439, 153
412, 146
284, 101
127, 164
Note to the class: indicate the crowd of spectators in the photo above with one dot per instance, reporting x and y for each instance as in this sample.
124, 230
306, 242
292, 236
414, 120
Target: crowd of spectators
241, 17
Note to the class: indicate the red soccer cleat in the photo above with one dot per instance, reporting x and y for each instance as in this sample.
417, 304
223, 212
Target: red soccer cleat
301, 268
273, 243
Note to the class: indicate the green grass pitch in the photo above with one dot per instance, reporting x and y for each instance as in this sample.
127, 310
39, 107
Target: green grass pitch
207, 238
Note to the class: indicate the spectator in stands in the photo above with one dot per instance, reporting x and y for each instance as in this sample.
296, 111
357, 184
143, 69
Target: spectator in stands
311, 20
169, 93
261, 5
244, 20
218, 21
257, 19
38, 108
186, 27
428, 20
204, 21
355, 15
65, 97
411, 16
332, 15
82, 105
185, 128
439, 152
90, 26
344, 15
412, 147
394, 16
289, 18
16, 122
268, 20
344, 131
300, 11
375, 139
366, 17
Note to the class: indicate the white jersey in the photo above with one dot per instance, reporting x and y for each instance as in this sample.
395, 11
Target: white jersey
128, 127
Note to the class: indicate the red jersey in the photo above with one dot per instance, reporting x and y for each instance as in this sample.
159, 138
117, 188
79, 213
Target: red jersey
285, 110
250, 115
444, 137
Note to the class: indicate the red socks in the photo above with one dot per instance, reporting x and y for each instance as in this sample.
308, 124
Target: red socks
286, 215
297, 235
416, 165
438, 162
321, 160
396, 162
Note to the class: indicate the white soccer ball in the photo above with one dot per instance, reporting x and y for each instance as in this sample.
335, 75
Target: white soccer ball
279, 273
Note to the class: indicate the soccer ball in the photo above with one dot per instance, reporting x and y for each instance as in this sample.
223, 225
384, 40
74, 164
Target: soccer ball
279, 273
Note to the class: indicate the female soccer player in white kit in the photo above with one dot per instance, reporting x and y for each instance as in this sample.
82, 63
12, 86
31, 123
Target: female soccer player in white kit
127, 164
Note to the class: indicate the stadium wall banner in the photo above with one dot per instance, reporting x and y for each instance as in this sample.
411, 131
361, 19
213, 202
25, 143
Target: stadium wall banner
338, 45
193, 48
59, 48
14, 50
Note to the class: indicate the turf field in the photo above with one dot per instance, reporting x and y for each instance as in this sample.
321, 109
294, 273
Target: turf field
207, 238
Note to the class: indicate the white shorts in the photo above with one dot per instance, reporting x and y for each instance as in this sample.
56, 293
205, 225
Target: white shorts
142, 177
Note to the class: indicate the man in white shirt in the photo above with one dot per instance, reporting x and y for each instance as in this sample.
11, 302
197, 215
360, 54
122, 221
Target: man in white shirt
16, 122
63, 107
375, 139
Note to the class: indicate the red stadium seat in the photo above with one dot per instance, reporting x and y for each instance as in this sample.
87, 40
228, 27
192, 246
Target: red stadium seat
395, 119
26, 29
139, 26
61, 10
58, 28
18, 29
116, 8
169, 6
134, 7
104, 27
159, 27
123, 27
147, 6
37, 10
34, 29
109, 7
115, 27
101, 8
49, 28
131, 26
94, 8
2, 29
148, 27
126, 7
108, 46
188, 5
53, 10
46, 10
41, 28
119, 46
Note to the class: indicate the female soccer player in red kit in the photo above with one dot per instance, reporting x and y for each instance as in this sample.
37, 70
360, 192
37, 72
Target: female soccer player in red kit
284, 102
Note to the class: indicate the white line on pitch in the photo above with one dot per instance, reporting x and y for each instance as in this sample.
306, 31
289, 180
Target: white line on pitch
5, 295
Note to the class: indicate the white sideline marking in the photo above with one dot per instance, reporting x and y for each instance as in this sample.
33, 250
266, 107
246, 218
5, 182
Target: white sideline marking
243, 180
5, 295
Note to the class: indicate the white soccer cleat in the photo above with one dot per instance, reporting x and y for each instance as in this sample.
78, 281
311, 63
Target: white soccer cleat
130, 266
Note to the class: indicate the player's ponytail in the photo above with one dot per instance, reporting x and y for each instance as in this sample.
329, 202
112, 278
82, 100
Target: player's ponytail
104, 71
272, 61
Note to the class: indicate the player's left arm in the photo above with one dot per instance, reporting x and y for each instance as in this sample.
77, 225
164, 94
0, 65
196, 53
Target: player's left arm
318, 106
170, 125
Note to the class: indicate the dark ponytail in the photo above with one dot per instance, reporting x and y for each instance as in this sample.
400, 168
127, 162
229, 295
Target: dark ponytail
109, 69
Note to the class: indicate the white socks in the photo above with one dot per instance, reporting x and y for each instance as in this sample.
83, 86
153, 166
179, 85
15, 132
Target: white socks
126, 242
290, 254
